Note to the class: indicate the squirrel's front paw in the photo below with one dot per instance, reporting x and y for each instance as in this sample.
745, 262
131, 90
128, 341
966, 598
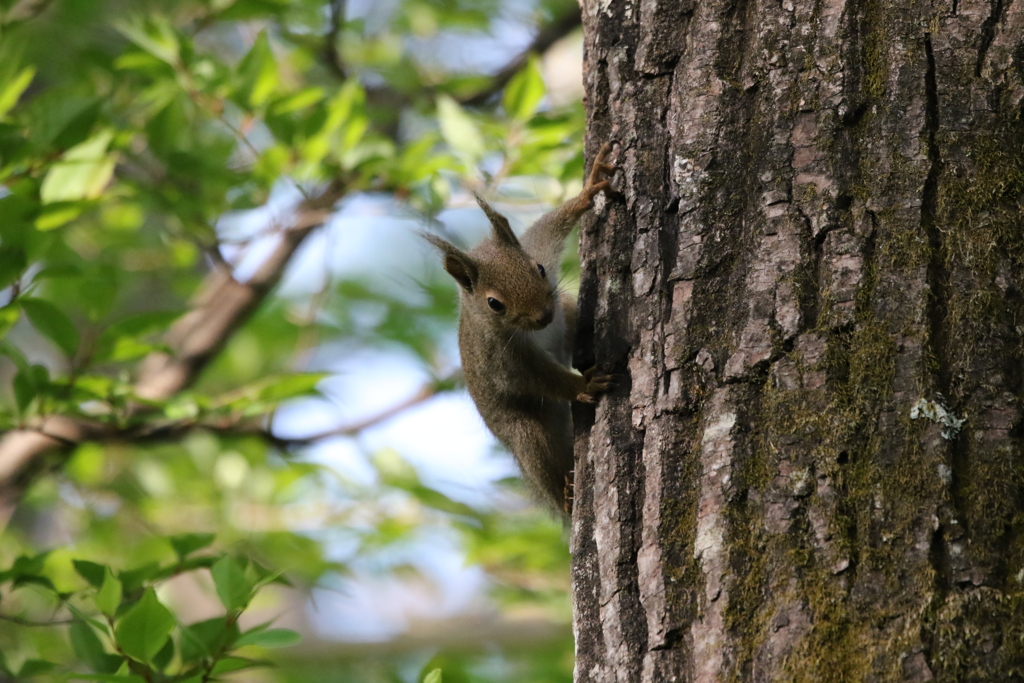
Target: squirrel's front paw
595, 385
600, 174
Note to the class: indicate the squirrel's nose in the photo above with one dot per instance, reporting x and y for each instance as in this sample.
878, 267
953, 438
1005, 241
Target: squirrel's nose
546, 319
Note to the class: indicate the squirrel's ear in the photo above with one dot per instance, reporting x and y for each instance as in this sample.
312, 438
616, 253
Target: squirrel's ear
457, 262
502, 232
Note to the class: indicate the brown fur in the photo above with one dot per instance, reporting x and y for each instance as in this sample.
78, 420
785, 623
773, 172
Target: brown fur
516, 361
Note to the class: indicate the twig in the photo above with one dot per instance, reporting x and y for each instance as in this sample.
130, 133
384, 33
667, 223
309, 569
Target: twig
426, 392
239, 135
250, 427
334, 59
548, 36
28, 622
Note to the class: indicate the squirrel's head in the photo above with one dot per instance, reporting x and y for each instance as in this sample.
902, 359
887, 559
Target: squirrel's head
500, 281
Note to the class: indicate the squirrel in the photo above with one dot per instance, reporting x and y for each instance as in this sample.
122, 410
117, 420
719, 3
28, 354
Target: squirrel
516, 337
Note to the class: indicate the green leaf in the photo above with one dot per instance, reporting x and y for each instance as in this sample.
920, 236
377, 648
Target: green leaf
439, 501
52, 216
35, 667
125, 217
11, 92
183, 407
93, 148
30, 380
233, 587
108, 599
117, 339
153, 34
24, 567
82, 173
83, 617
24, 390
229, 664
16, 212
96, 386
525, 91
306, 97
272, 637
29, 383
238, 10
142, 631
164, 656
12, 264
343, 111
52, 323
8, 317
184, 544
433, 677
458, 129
258, 73
133, 579
88, 462
394, 470
91, 572
291, 386
204, 638
264, 575
89, 649
62, 116
16, 356
40, 376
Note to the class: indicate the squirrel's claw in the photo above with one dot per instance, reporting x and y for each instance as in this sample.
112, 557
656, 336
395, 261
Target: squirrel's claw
595, 385
600, 169
599, 180
569, 492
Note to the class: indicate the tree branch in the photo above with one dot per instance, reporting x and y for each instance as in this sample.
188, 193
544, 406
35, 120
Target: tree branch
548, 36
249, 427
426, 392
222, 306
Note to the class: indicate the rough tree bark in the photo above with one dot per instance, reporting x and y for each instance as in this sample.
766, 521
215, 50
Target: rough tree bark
814, 274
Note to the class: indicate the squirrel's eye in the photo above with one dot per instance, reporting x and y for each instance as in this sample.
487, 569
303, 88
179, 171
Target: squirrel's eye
495, 305
541, 269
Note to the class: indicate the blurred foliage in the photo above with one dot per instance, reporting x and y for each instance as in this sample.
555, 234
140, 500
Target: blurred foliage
133, 135
119, 629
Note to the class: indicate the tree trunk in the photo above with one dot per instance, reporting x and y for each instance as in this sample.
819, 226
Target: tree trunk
812, 290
